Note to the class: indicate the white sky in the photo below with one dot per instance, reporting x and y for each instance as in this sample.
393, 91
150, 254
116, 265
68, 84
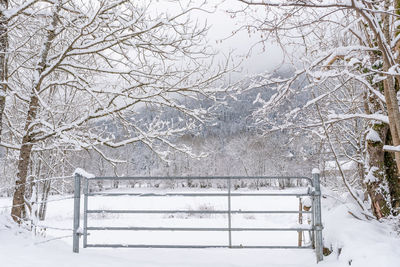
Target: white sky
222, 26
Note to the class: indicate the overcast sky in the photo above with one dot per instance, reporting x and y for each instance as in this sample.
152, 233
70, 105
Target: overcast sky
222, 26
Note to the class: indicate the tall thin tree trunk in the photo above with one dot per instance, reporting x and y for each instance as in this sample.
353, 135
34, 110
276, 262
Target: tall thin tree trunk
389, 88
389, 84
379, 164
18, 211
45, 196
392, 177
393, 114
3, 60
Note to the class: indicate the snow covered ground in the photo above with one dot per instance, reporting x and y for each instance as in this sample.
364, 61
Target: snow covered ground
361, 243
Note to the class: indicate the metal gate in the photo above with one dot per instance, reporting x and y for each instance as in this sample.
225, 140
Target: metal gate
313, 191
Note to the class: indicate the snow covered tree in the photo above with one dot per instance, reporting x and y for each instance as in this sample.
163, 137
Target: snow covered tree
347, 41
3, 58
82, 69
7, 15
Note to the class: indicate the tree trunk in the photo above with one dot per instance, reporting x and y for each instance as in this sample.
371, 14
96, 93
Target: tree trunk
376, 173
3, 60
18, 211
392, 177
382, 167
382, 179
45, 196
393, 114
389, 83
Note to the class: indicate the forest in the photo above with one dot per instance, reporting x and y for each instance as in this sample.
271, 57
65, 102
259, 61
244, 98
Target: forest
174, 88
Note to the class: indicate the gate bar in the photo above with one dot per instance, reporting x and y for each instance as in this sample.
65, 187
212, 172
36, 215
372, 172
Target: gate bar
201, 178
199, 194
188, 246
130, 228
200, 211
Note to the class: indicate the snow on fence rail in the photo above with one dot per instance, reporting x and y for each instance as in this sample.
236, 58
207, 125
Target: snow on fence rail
313, 191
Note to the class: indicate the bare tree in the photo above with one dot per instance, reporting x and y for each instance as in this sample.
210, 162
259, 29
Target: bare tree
3, 58
353, 41
87, 67
7, 15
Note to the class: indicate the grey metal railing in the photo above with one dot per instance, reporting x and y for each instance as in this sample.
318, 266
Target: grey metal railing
313, 190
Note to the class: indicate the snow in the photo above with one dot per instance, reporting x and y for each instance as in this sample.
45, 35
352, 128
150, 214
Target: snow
83, 173
391, 148
370, 177
373, 136
307, 202
362, 243
353, 241
375, 116
353, 61
315, 171
344, 164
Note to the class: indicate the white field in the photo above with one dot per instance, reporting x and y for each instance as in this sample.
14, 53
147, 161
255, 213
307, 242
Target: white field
363, 243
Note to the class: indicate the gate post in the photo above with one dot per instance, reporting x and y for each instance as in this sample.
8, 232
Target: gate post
317, 213
85, 208
77, 209
229, 214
